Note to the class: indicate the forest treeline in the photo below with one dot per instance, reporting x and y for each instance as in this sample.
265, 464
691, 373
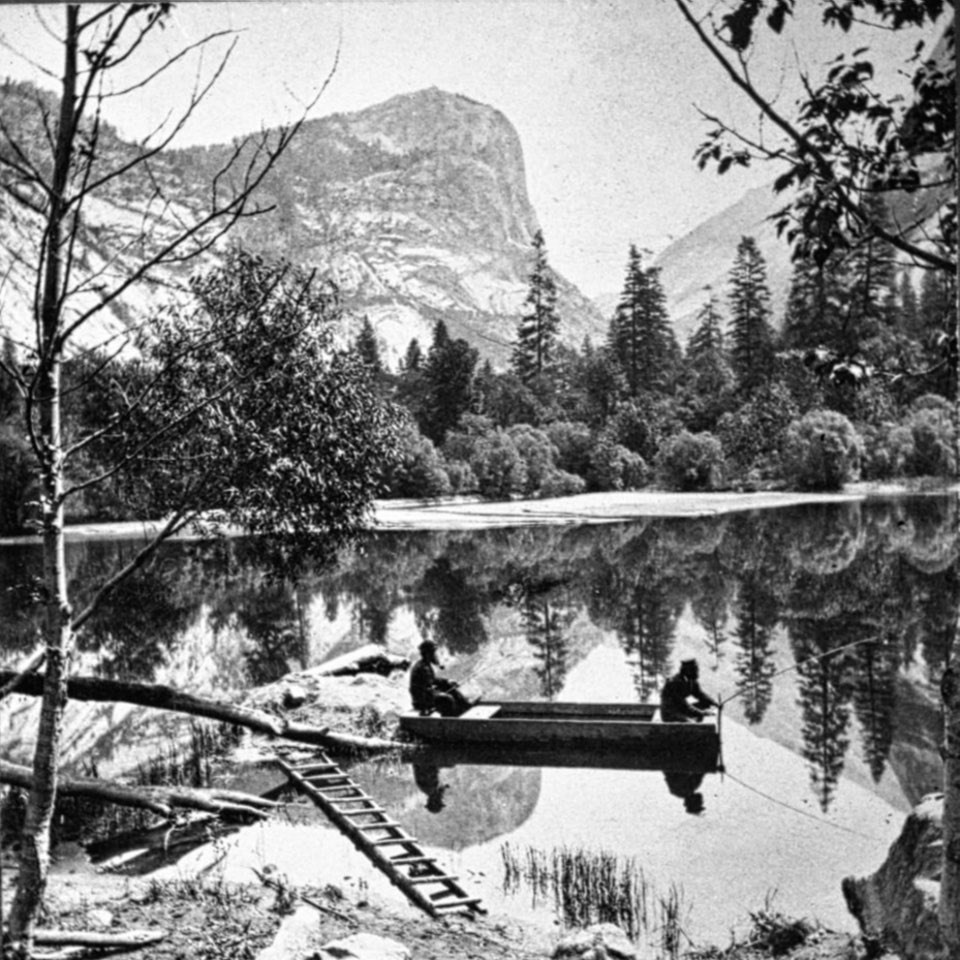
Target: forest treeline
853, 382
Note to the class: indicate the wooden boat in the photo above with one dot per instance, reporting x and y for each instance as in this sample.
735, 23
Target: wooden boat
600, 726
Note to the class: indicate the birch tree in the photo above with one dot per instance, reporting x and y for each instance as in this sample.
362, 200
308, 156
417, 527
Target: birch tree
58, 158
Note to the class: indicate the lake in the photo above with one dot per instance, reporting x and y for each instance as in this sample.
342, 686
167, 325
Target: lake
824, 627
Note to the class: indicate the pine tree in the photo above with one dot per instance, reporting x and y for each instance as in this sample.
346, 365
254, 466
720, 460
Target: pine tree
368, 348
707, 356
909, 307
413, 358
752, 347
813, 313
640, 336
539, 325
868, 276
449, 376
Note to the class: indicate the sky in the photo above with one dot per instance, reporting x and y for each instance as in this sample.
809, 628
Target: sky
605, 95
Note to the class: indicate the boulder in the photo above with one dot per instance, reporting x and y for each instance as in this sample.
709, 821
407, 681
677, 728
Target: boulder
364, 946
601, 941
296, 936
896, 907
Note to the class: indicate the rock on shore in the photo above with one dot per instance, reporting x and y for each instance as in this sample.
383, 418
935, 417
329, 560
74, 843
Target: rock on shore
896, 907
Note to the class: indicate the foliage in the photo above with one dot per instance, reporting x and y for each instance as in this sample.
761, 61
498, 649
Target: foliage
17, 481
560, 483
498, 466
538, 453
690, 461
888, 451
752, 436
368, 347
572, 442
850, 136
255, 416
822, 451
539, 325
934, 439
507, 400
751, 349
614, 467
418, 470
448, 383
640, 338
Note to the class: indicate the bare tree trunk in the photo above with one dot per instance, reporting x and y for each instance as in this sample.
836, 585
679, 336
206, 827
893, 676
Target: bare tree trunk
950, 876
167, 698
57, 634
157, 799
950, 694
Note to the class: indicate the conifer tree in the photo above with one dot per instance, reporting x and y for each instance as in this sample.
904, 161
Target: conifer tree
908, 306
413, 358
814, 302
640, 337
449, 375
869, 273
752, 346
539, 324
368, 348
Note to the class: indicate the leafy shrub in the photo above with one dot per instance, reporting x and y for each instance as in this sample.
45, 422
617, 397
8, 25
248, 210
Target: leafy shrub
614, 467
753, 436
822, 451
461, 476
690, 461
934, 443
572, 441
461, 444
887, 451
418, 470
559, 483
538, 453
499, 468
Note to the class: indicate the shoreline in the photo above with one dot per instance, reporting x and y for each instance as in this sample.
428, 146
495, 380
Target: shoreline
465, 513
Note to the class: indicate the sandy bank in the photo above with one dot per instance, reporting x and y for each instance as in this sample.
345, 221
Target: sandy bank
473, 513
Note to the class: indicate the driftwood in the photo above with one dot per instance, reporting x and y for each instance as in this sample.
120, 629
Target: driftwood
370, 658
169, 698
87, 938
158, 799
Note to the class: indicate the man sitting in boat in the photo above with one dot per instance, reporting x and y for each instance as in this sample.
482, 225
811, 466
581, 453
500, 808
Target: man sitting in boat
432, 693
682, 699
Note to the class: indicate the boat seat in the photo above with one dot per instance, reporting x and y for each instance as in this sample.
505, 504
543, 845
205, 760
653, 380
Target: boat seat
482, 711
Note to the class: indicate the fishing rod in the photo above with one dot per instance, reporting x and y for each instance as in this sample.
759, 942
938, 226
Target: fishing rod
743, 687
804, 813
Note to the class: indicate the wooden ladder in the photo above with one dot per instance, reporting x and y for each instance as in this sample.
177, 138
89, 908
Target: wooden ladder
373, 833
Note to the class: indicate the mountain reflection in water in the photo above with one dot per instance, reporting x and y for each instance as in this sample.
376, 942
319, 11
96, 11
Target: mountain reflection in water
830, 623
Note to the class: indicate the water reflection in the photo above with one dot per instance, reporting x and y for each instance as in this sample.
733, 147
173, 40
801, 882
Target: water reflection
828, 621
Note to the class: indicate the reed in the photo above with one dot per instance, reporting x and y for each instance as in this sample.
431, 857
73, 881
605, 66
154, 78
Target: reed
584, 886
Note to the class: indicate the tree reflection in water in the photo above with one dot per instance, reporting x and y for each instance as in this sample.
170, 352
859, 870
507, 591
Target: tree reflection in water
764, 598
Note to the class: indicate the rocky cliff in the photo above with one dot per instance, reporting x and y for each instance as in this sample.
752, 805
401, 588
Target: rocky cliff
416, 207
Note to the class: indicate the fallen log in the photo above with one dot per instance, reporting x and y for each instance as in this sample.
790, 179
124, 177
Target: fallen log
169, 698
370, 658
158, 799
91, 938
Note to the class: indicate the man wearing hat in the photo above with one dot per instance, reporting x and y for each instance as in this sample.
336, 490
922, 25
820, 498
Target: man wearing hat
679, 691
432, 693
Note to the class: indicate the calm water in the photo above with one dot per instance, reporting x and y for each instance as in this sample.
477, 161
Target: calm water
829, 624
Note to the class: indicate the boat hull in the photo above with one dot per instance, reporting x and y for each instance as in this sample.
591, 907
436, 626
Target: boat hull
602, 727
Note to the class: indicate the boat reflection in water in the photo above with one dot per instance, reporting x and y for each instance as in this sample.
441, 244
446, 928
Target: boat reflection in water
579, 735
